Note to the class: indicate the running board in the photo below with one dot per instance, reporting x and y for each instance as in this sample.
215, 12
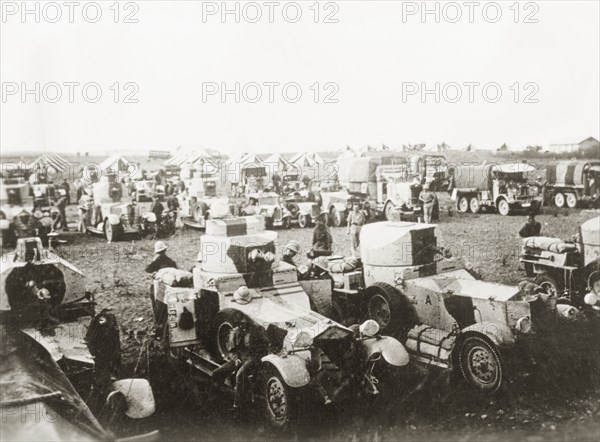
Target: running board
428, 361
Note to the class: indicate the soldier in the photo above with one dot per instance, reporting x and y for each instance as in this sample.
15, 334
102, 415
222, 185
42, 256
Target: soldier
249, 345
290, 251
161, 260
61, 204
67, 188
157, 208
356, 220
173, 203
531, 228
322, 243
85, 206
428, 199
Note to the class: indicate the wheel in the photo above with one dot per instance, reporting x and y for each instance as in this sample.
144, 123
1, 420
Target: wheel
220, 340
384, 306
549, 284
559, 200
198, 211
389, 210
280, 405
480, 364
463, 204
474, 205
112, 233
503, 207
303, 221
571, 200
335, 218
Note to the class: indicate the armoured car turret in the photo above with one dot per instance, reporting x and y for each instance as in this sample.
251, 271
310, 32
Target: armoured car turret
240, 283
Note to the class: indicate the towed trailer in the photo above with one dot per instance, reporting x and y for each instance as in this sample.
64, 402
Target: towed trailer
573, 182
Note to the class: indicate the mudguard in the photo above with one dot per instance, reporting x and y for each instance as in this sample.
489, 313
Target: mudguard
500, 334
292, 369
114, 219
392, 351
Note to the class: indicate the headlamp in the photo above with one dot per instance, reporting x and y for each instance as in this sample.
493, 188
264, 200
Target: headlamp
369, 328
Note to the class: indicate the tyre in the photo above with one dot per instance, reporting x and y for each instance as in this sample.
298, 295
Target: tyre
280, 404
559, 200
112, 232
384, 306
480, 364
463, 204
474, 205
503, 207
303, 221
571, 200
198, 211
219, 336
550, 285
389, 210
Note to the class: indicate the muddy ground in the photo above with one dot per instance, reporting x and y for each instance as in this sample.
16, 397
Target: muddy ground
557, 403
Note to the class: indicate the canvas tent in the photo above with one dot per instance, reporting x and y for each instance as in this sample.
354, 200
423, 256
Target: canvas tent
120, 166
305, 159
49, 164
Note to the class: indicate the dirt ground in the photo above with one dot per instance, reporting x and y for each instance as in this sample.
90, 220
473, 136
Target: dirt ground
425, 405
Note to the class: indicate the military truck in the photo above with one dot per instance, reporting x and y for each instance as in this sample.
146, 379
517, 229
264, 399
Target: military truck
196, 200
572, 183
560, 267
433, 303
115, 216
383, 186
308, 355
56, 349
503, 187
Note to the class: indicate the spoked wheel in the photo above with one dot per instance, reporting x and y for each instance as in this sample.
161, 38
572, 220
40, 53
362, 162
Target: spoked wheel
384, 306
281, 410
303, 221
108, 232
474, 205
480, 364
571, 200
559, 200
463, 204
503, 207
548, 284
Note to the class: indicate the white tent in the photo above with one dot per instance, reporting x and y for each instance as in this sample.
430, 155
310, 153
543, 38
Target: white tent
116, 163
49, 163
277, 163
305, 159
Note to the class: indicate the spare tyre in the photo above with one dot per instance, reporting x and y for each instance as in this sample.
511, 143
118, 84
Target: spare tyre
199, 210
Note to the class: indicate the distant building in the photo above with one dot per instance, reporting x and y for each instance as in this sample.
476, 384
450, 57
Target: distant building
589, 144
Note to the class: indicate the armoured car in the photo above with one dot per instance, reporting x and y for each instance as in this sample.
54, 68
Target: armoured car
562, 268
434, 304
112, 216
308, 355
303, 209
55, 349
196, 200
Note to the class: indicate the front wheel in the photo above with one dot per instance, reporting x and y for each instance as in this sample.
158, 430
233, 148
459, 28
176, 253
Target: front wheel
549, 284
280, 408
503, 207
480, 364
112, 232
384, 306
303, 221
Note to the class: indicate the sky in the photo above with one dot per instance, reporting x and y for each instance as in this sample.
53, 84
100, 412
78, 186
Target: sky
360, 69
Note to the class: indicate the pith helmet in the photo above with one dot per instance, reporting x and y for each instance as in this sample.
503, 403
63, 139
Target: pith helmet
242, 295
160, 246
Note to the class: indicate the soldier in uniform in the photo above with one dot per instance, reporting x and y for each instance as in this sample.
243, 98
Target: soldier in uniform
531, 228
161, 260
356, 220
427, 197
322, 244
290, 251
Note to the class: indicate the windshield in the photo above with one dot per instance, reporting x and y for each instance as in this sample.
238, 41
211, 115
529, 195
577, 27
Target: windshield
516, 177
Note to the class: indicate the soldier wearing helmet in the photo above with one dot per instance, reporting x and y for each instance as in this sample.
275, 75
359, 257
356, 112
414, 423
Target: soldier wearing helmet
161, 260
290, 251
